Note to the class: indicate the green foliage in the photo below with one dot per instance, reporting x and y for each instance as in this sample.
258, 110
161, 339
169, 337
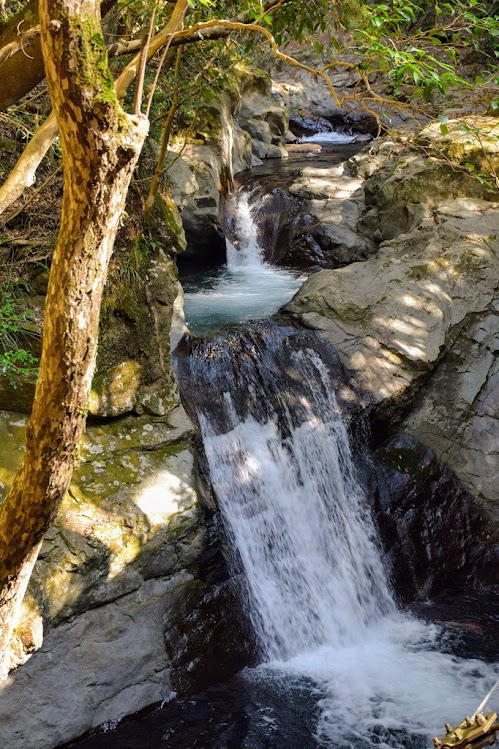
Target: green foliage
125, 281
15, 317
417, 44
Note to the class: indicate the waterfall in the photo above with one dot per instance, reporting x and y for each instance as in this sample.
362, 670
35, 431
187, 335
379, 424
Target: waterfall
247, 288
298, 521
270, 404
248, 253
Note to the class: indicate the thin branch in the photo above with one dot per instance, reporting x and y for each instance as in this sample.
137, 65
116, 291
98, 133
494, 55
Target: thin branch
18, 45
139, 88
33, 195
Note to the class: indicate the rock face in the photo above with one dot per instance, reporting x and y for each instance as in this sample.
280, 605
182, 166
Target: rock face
420, 316
134, 369
436, 539
332, 200
134, 554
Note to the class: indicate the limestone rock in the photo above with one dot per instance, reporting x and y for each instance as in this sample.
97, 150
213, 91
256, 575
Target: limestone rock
416, 325
118, 571
393, 316
470, 141
457, 412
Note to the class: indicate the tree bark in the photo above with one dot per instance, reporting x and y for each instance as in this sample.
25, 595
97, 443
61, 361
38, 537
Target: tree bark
22, 71
24, 173
100, 145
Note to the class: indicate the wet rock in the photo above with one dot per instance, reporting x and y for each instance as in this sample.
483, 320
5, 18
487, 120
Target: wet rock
331, 203
436, 538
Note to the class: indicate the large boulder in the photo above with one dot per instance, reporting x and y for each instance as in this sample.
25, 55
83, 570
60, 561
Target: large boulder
415, 325
134, 553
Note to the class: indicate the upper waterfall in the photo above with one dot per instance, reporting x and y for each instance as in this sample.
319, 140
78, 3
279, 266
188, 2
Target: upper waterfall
248, 253
247, 287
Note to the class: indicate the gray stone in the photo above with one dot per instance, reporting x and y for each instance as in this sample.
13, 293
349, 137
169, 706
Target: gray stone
100, 666
416, 325
259, 149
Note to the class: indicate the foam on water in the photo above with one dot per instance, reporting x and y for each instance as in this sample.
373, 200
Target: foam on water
320, 601
237, 295
329, 137
245, 289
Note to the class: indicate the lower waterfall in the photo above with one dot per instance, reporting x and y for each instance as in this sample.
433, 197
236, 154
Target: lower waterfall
270, 404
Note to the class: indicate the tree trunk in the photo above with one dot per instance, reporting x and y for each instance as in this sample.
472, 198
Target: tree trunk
100, 145
24, 173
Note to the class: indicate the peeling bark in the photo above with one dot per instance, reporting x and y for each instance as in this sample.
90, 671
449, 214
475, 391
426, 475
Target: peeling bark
100, 145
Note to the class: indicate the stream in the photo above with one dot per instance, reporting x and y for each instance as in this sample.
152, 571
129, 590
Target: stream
340, 664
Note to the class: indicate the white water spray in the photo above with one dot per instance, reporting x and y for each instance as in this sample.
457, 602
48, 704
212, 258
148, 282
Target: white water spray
248, 253
329, 137
248, 288
319, 597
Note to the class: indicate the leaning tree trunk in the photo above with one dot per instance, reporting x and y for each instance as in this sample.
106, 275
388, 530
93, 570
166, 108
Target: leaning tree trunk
100, 145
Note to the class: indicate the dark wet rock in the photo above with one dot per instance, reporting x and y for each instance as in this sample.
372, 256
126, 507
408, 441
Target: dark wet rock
213, 638
308, 124
263, 353
249, 711
437, 539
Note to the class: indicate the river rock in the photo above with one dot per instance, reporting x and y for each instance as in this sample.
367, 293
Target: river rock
436, 538
419, 317
134, 552
323, 231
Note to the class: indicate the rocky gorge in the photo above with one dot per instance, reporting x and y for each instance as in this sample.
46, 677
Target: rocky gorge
135, 589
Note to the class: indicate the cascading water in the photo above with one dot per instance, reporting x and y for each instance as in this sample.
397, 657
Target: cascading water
248, 254
271, 417
247, 288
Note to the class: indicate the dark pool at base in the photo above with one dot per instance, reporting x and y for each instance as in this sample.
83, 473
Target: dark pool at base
258, 709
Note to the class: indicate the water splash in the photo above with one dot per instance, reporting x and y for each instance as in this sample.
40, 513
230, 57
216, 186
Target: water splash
319, 598
247, 288
248, 253
329, 137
